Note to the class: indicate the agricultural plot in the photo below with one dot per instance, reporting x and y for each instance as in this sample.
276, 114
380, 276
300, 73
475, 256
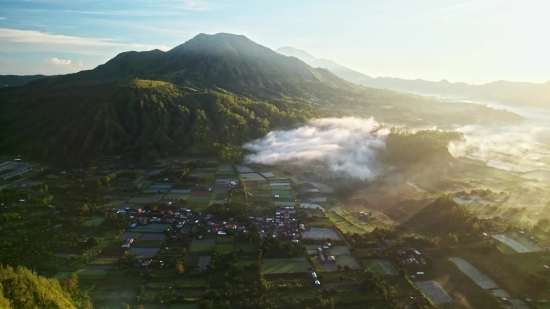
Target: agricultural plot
478, 277
277, 203
321, 233
220, 188
252, 177
283, 194
144, 252
198, 201
434, 291
152, 236
103, 261
244, 169
184, 306
520, 244
225, 248
91, 274
94, 222
176, 197
344, 260
143, 243
130, 235
145, 199
200, 195
151, 228
381, 267
201, 247
268, 175
322, 187
204, 261
284, 266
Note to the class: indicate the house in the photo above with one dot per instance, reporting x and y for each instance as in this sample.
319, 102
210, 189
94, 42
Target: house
331, 259
313, 275
222, 233
146, 263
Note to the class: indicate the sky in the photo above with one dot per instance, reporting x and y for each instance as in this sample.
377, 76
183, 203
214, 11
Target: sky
468, 41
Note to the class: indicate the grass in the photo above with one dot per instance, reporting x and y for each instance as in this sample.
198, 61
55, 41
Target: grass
199, 200
191, 282
200, 249
224, 248
283, 194
94, 222
381, 267
502, 247
103, 261
284, 267
146, 243
219, 196
91, 274
184, 306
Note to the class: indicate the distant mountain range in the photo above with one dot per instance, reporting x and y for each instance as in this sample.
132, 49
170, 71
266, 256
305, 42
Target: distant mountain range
514, 93
18, 80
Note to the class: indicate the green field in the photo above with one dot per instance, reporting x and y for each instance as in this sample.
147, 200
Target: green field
224, 248
94, 222
219, 196
178, 197
146, 243
199, 249
184, 306
198, 200
151, 228
91, 274
284, 267
103, 261
381, 267
283, 194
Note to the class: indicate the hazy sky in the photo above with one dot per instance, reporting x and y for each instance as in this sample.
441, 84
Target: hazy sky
471, 41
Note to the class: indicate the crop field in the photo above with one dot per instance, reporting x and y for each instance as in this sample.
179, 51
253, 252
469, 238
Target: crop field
201, 247
344, 260
91, 274
478, 277
283, 194
176, 197
321, 233
248, 248
144, 252
198, 200
152, 236
144, 243
224, 248
204, 261
103, 261
130, 235
434, 291
252, 177
94, 222
520, 244
151, 228
381, 267
284, 266
184, 306
322, 187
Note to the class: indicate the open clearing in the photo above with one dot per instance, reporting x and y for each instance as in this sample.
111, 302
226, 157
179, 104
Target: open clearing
381, 267
321, 233
284, 266
434, 291
520, 244
479, 278
94, 222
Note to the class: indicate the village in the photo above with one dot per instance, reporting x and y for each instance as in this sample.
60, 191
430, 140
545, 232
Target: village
159, 233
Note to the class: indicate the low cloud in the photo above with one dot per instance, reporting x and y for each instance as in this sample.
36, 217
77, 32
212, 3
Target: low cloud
346, 144
2, 18
62, 62
509, 143
13, 40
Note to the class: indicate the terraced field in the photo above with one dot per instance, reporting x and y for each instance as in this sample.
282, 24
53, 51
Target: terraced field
478, 277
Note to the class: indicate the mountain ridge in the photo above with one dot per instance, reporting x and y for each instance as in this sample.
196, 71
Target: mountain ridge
508, 92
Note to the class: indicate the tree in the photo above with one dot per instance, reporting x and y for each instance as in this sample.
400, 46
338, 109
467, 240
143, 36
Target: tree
339, 267
92, 242
179, 268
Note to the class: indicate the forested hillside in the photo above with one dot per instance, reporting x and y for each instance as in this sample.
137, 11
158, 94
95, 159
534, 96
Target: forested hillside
23, 289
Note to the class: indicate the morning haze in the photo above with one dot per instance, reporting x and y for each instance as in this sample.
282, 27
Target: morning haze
215, 154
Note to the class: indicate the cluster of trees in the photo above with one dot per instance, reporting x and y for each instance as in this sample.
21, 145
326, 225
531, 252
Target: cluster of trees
449, 220
425, 146
22, 288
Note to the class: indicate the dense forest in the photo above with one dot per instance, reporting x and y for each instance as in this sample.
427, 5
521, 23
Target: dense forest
447, 220
21, 288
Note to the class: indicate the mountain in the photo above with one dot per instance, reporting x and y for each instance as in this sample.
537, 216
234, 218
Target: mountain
206, 96
18, 80
514, 93
338, 69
